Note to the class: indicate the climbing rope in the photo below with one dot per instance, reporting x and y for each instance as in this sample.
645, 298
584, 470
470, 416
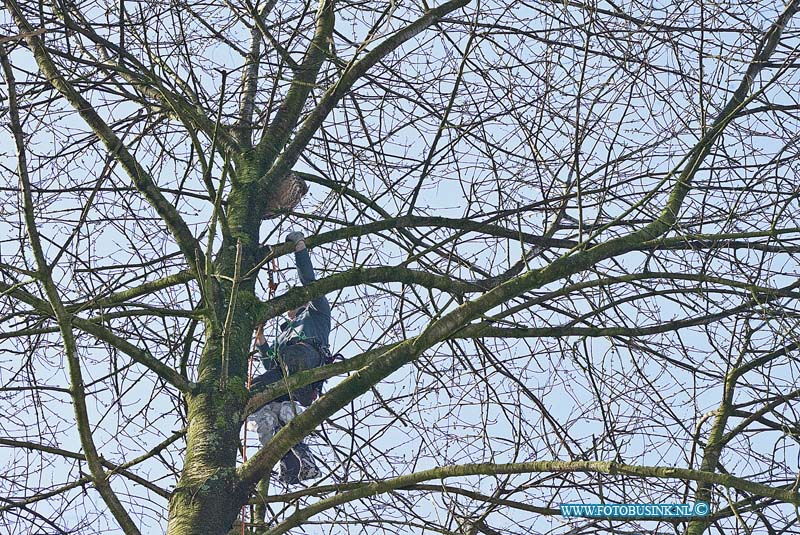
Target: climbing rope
273, 286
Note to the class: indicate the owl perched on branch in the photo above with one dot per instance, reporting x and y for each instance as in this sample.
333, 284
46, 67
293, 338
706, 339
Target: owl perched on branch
286, 196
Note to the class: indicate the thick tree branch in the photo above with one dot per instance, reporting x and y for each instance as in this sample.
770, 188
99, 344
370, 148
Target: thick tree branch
122, 469
140, 177
43, 274
123, 296
101, 333
250, 78
334, 94
138, 355
352, 277
276, 136
786, 495
573, 262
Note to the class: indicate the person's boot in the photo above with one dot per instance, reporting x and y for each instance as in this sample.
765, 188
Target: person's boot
290, 469
308, 466
298, 465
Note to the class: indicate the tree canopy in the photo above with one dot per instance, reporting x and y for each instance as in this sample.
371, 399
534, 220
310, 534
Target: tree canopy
560, 240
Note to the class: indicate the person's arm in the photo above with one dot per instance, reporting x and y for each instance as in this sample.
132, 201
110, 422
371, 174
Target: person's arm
305, 270
302, 260
261, 343
260, 338
321, 308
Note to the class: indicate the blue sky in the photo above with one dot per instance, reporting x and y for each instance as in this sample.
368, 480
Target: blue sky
524, 153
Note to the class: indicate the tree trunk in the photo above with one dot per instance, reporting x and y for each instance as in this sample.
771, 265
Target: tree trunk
208, 497
206, 500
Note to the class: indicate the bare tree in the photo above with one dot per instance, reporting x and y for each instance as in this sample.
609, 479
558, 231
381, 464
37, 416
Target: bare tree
560, 239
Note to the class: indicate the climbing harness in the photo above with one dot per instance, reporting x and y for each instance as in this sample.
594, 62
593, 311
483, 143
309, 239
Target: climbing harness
326, 358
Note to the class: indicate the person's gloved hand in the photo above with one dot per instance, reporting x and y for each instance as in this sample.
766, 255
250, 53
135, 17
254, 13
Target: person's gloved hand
296, 237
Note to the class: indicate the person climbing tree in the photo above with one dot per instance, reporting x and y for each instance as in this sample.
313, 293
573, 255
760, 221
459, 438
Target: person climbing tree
301, 344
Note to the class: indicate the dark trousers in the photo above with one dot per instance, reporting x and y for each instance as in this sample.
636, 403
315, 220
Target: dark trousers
291, 359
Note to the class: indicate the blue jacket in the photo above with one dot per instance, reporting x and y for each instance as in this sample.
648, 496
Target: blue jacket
314, 322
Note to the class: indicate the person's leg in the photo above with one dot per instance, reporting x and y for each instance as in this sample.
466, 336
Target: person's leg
287, 410
265, 421
308, 465
298, 463
290, 469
